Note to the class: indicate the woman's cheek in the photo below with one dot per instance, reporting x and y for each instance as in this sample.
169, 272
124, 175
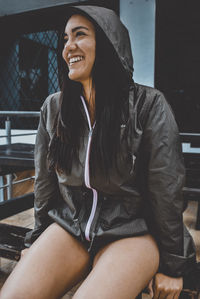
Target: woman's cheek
63, 54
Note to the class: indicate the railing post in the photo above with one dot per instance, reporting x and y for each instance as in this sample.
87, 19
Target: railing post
8, 130
1, 190
8, 137
8, 141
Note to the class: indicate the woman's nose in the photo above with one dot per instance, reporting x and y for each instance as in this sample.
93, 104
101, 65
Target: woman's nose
70, 45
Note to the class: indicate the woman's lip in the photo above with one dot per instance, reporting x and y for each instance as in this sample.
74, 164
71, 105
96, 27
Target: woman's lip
74, 56
73, 63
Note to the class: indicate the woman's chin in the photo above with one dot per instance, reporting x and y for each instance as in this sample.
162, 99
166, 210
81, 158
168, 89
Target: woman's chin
73, 76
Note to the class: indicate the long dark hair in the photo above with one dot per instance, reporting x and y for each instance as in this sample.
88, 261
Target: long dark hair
111, 83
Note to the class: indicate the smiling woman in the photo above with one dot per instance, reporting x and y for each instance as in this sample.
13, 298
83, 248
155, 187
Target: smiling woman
79, 53
108, 178
79, 49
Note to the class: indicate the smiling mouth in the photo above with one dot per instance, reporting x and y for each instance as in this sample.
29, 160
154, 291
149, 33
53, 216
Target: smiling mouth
75, 59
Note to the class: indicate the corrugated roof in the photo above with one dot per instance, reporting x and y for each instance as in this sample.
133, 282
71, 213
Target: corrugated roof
11, 7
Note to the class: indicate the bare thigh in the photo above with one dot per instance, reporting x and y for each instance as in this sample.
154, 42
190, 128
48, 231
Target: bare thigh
121, 269
53, 264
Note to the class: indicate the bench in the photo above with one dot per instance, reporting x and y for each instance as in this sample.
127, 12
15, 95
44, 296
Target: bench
16, 157
192, 165
191, 191
193, 194
12, 241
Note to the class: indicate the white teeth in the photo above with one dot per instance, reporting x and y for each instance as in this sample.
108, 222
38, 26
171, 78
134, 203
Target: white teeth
75, 59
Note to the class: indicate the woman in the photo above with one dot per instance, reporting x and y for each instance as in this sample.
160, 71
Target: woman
109, 174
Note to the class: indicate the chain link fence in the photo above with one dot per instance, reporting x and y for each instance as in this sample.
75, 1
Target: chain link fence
28, 73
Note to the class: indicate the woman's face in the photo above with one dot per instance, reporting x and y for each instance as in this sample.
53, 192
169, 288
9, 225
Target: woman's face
79, 49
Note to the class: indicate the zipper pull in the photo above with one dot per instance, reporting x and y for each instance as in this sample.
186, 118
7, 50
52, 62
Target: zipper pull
90, 132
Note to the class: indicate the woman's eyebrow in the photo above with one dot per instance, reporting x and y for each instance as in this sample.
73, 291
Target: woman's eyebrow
77, 28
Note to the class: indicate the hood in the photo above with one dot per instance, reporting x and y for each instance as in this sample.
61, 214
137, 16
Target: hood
115, 31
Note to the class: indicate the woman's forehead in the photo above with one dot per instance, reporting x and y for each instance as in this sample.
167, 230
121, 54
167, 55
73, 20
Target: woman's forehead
78, 20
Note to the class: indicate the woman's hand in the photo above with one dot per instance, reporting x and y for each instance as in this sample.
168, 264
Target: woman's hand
165, 287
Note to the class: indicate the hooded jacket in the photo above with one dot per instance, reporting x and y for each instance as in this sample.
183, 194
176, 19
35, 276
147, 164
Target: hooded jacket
144, 198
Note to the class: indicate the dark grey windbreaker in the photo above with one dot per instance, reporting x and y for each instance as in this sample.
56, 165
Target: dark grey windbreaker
146, 195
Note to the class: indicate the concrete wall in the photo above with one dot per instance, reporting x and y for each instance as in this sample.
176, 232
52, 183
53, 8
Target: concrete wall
139, 17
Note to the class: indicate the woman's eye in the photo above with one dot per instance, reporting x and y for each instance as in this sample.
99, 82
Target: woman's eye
79, 33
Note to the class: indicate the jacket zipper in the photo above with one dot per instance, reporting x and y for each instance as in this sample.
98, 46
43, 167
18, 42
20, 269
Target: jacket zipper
87, 175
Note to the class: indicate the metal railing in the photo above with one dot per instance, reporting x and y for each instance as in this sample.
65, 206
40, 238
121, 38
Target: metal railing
8, 135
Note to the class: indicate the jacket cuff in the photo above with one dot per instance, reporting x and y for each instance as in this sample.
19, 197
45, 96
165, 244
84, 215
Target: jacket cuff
176, 265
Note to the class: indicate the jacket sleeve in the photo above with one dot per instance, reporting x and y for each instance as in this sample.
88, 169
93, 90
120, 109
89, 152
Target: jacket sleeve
46, 189
165, 176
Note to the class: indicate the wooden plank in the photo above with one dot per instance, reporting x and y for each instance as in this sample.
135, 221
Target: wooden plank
12, 241
17, 154
16, 205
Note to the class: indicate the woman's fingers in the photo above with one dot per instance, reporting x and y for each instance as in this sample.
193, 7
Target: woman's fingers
150, 288
171, 295
166, 287
177, 294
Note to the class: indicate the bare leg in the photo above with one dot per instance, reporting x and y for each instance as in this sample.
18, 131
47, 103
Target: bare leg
121, 269
53, 264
